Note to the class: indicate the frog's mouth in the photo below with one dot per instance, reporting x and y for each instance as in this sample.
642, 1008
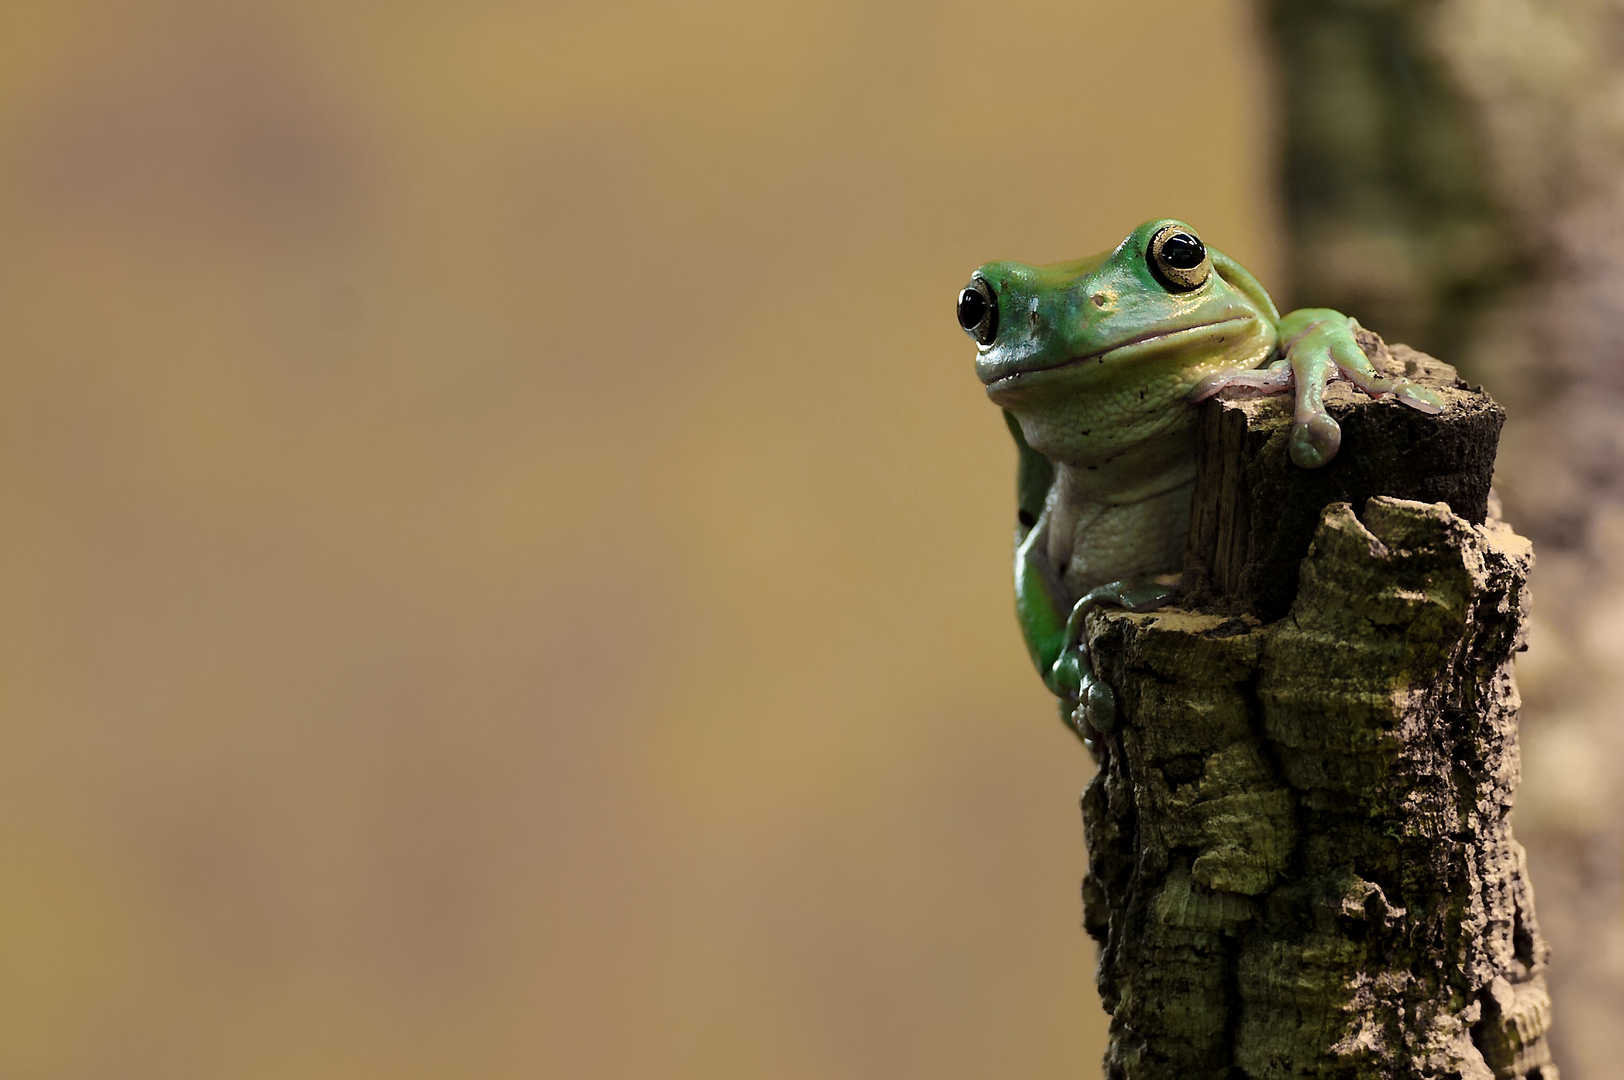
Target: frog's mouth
1012, 373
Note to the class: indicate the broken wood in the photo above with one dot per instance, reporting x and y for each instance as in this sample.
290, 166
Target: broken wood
1300, 860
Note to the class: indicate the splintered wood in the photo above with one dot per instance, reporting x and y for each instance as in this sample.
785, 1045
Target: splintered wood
1300, 859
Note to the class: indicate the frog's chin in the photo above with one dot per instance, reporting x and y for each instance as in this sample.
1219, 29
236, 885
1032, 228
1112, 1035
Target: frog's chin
1006, 379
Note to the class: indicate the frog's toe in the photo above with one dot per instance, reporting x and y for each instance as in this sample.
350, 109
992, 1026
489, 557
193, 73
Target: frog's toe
1148, 594
1314, 441
1067, 676
1096, 707
1422, 398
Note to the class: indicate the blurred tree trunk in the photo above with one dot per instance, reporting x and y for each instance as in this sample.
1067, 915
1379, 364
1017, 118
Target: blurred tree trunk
1453, 175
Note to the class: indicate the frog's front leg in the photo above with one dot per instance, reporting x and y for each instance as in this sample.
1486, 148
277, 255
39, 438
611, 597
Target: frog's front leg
1316, 346
1055, 628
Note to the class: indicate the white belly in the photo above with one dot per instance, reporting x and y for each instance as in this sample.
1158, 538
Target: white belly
1091, 543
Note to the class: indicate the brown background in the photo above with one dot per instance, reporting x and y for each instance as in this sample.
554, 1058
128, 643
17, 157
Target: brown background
504, 559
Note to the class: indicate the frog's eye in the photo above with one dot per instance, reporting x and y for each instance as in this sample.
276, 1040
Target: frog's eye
978, 311
1179, 259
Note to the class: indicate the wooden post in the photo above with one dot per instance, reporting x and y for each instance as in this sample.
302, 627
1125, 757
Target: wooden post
1300, 863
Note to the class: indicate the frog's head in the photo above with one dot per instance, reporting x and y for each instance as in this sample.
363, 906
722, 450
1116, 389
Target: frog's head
1112, 341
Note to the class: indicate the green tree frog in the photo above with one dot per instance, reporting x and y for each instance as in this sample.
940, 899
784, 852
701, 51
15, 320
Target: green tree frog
1097, 364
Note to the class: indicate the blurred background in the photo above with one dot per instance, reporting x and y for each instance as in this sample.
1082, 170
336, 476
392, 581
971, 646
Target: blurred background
504, 557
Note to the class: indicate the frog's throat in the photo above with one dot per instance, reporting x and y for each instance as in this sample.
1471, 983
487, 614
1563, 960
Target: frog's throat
1151, 480
1009, 380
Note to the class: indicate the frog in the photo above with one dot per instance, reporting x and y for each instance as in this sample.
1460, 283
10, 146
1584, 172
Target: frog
1098, 364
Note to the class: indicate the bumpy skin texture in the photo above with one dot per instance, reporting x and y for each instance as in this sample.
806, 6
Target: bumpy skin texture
1097, 363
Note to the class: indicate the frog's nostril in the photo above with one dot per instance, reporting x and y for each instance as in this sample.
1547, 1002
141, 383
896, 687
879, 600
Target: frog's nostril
978, 311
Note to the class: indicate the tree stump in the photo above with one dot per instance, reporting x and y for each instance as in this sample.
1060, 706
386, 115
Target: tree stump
1300, 860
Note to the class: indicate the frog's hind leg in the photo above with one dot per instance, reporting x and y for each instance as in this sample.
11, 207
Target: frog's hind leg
1054, 639
1096, 706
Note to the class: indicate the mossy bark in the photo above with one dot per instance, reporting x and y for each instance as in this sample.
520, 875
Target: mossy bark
1300, 860
1453, 174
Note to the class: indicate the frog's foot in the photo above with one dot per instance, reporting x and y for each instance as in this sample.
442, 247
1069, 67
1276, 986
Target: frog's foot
1093, 702
1318, 346
1096, 709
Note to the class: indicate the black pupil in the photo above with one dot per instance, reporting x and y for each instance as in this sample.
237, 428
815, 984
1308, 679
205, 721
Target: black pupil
972, 308
1182, 251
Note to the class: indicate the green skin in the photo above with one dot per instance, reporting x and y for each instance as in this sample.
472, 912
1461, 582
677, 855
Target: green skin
1097, 364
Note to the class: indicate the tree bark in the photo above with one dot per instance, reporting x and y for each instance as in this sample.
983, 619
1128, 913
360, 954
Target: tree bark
1453, 174
1300, 859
